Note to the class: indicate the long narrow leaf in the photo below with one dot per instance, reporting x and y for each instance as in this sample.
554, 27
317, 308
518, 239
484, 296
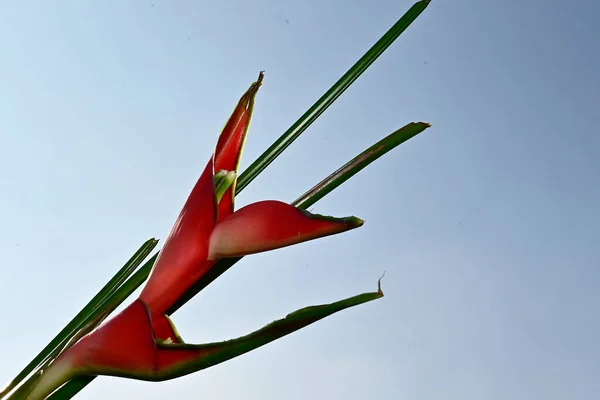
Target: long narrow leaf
358, 163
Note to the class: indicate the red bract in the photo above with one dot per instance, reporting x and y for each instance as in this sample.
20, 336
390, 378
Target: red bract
141, 342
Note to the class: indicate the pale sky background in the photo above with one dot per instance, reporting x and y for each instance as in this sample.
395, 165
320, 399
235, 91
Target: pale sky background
487, 224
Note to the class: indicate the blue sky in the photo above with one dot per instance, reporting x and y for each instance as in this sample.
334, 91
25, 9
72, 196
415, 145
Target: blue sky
486, 225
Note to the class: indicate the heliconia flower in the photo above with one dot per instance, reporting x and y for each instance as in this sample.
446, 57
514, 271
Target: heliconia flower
141, 342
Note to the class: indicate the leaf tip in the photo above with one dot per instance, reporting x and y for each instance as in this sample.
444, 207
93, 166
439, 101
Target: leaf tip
354, 222
379, 284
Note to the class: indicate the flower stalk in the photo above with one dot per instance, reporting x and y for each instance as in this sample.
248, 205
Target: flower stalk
225, 243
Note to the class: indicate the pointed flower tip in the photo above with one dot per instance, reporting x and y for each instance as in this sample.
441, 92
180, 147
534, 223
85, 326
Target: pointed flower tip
249, 95
230, 143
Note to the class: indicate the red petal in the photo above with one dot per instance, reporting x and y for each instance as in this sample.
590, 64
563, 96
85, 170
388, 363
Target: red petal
231, 141
123, 345
182, 260
268, 225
